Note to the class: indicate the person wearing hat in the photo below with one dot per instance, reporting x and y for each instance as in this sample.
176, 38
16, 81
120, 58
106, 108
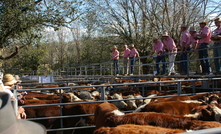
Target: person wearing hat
9, 124
9, 82
115, 57
185, 47
204, 40
133, 54
216, 38
158, 47
195, 44
170, 46
126, 59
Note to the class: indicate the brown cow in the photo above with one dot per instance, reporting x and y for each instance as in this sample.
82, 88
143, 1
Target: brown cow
106, 114
171, 107
136, 129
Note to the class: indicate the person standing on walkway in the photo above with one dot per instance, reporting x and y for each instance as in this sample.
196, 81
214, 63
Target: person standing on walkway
204, 39
115, 57
216, 38
171, 48
194, 42
159, 49
126, 59
133, 54
185, 48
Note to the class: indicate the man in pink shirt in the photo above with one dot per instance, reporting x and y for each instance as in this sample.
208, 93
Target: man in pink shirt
194, 42
216, 38
159, 49
185, 47
133, 54
126, 59
204, 39
171, 48
115, 57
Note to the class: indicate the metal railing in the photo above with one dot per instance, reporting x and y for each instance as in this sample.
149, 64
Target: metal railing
141, 85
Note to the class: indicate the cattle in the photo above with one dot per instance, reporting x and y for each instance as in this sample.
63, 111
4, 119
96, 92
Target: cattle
119, 104
79, 109
136, 129
106, 114
48, 111
210, 112
172, 107
131, 104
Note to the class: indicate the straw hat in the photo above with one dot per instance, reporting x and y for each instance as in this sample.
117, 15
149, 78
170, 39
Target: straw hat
17, 78
8, 80
9, 124
203, 22
192, 29
165, 34
131, 45
217, 19
115, 47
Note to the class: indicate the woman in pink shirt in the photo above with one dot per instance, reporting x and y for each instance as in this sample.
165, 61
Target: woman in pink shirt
170, 46
126, 59
159, 49
133, 54
115, 57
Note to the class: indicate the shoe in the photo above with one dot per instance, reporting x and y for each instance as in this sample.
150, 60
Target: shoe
183, 73
157, 74
125, 74
173, 73
168, 74
131, 74
117, 74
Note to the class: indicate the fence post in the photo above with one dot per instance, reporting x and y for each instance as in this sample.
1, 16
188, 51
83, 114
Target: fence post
102, 93
179, 88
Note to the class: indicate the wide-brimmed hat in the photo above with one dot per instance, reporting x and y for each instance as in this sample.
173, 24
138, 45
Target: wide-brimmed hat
17, 78
114, 47
184, 25
192, 29
203, 22
8, 79
217, 19
131, 45
165, 34
9, 124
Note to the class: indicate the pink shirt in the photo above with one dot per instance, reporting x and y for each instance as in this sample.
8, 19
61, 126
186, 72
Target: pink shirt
192, 40
185, 39
169, 44
158, 47
133, 52
115, 54
207, 31
126, 53
217, 31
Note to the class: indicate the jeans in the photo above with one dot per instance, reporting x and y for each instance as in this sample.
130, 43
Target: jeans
184, 62
171, 58
116, 66
217, 53
204, 54
126, 65
162, 59
132, 61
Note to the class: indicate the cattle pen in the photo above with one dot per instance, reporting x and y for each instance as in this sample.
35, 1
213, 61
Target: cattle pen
143, 84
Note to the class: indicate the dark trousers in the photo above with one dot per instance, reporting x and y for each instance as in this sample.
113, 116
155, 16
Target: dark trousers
184, 63
132, 61
217, 53
116, 66
158, 60
204, 54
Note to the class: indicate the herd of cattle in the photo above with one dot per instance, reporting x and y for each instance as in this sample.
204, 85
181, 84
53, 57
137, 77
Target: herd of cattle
123, 111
